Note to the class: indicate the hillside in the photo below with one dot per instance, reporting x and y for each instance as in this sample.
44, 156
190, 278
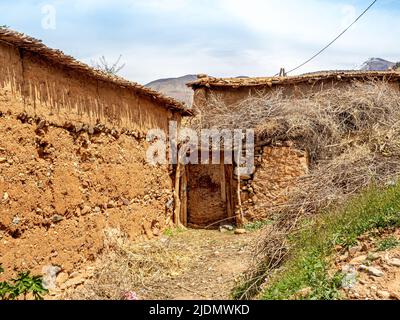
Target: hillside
175, 87
377, 64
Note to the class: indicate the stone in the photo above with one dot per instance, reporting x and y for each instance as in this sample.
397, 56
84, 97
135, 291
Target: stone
373, 257
50, 276
222, 230
77, 211
350, 277
156, 232
62, 278
86, 210
391, 183
16, 220
72, 283
372, 271
3, 160
354, 250
97, 209
125, 201
57, 218
395, 295
358, 260
111, 204
395, 262
170, 204
240, 231
6, 197
383, 294
227, 227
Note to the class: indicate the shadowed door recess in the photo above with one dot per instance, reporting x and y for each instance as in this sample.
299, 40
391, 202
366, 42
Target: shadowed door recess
208, 201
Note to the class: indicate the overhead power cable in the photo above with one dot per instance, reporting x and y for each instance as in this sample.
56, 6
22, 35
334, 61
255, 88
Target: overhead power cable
334, 40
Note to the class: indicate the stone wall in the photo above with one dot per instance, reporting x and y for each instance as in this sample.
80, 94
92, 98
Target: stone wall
277, 170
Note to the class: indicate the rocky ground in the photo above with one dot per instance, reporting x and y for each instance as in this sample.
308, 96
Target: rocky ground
372, 267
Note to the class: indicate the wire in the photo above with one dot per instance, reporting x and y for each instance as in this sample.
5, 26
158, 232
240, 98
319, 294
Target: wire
333, 41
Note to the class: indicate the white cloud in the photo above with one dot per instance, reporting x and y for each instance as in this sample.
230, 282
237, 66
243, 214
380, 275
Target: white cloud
163, 38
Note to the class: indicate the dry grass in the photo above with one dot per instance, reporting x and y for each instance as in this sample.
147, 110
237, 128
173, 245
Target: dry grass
126, 266
352, 135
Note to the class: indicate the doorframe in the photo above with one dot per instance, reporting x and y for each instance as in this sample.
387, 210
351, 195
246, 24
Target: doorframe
228, 193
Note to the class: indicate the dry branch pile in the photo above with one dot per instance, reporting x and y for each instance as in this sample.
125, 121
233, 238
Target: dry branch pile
352, 135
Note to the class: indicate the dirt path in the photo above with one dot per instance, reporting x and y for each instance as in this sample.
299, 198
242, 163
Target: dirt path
183, 265
217, 260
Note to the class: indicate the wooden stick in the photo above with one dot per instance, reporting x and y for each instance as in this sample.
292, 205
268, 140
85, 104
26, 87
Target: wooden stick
241, 216
177, 211
184, 196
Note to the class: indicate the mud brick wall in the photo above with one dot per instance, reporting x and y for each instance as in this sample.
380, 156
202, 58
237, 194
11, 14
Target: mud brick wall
73, 166
277, 170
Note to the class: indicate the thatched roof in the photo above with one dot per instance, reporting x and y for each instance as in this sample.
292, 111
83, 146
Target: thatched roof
27, 43
206, 81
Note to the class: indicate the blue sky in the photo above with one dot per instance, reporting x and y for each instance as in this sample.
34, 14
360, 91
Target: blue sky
169, 38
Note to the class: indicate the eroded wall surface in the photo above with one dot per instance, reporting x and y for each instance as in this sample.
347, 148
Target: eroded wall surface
277, 171
73, 169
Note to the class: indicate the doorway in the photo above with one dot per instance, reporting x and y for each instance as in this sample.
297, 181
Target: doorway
209, 195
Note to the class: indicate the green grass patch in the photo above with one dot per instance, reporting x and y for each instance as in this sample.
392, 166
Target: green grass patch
257, 225
387, 244
312, 248
172, 232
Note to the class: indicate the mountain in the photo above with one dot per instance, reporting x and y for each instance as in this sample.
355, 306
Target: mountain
377, 64
175, 88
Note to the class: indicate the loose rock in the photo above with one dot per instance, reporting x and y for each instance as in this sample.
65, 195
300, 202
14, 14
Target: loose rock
227, 227
372, 271
358, 260
86, 210
383, 295
394, 262
50, 276
57, 218
240, 231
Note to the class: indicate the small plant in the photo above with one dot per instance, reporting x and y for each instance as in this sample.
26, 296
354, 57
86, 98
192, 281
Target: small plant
23, 285
257, 225
388, 243
107, 67
170, 232
4, 26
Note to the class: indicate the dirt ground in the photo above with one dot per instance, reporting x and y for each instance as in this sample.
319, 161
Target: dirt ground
184, 265
217, 262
